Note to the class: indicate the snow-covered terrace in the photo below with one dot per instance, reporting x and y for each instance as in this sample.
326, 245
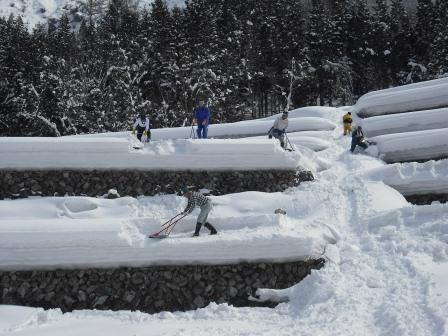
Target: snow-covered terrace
118, 153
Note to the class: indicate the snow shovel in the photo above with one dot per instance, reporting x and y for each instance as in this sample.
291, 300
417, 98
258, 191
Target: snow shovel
167, 227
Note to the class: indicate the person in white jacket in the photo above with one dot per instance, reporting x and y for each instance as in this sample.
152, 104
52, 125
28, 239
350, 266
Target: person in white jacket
142, 126
279, 129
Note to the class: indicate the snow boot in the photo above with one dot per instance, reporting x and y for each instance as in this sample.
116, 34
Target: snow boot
198, 228
211, 228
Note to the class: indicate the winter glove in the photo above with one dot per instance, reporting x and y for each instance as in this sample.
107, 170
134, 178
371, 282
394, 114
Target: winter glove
270, 136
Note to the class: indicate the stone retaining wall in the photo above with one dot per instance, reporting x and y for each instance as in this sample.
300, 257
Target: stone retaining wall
152, 289
19, 183
427, 199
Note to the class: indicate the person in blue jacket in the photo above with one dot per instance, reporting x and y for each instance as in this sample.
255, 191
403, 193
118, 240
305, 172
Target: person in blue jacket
202, 117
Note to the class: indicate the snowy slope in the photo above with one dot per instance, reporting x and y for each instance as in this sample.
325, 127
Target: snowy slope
413, 178
429, 96
387, 260
118, 153
89, 232
412, 146
404, 88
406, 122
231, 130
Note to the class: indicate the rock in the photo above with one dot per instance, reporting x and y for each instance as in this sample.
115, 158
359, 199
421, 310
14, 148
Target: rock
82, 296
280, 211
23, 289
199, 302
68, 301
129, 296
100, 301
232, 292
113, 194
137, 278
49, 296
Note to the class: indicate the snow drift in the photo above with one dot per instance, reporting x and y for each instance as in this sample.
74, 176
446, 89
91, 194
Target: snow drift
414, 99
413, 146
406, 122
118, 153
413, 178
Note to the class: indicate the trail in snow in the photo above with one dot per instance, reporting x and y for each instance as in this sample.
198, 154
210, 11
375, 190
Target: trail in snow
375, 289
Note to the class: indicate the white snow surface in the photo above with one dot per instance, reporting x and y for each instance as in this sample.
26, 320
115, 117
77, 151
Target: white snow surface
325, 112
413, 178
412, 146
231, 130
405, 122
119, 153
387, 260
402, 88
89, 232
429, 96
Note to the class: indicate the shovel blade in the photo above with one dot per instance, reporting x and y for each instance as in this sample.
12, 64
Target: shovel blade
158, 236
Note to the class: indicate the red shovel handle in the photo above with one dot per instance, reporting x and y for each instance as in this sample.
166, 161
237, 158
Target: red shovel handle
168, 226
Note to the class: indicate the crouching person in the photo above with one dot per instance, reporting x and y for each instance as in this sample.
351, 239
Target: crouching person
196, 199
279, 129
142, 126
358, 139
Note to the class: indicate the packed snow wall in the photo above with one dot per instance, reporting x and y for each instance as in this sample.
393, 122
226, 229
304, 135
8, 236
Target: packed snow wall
24, 183
153, 289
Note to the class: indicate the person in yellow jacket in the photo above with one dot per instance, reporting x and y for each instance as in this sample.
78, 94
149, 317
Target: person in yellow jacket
347, 121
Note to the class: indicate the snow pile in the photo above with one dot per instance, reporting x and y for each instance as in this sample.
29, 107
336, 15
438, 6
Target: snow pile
232, 130
116, 153
403, 88
90, 232
314, 140
406, 122
423, 97
413, 178
312, 143
412, 146
325, 112
61, 145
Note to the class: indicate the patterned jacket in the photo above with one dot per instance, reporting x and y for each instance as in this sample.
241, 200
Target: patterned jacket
196, 200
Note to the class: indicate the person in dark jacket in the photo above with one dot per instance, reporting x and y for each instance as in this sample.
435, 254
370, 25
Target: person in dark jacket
196, 199
358, 139
202, 117
142, 126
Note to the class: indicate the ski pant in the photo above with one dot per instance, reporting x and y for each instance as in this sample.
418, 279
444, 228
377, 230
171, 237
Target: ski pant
280, 135
347, 128
202, 130
360, 143
140, 131
205, 210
